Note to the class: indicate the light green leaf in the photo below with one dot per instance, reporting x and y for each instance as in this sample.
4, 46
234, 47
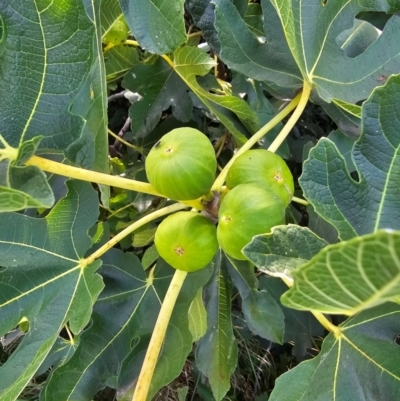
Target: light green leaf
149, 257
197, 317
348, 277
42, 280
158, 25
119, 60
349, 107
216, 352
283, 250
263, 315
360, 363
254, 20
190, 62
143, 237
357, 208
160, 88
110, 13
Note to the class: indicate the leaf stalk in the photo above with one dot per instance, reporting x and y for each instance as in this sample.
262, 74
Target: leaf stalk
130, 229
157, 338
53, 167
219, 182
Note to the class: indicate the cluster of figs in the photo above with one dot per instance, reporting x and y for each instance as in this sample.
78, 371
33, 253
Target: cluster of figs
182, 166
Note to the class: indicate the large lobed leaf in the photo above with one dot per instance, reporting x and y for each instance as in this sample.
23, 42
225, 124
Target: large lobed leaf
160, 88
373, 203
52, 86
360, 363
298, 48
350, 276
43, 280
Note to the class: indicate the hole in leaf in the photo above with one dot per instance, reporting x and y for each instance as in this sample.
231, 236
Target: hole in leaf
397, 339
358, 38
324, 2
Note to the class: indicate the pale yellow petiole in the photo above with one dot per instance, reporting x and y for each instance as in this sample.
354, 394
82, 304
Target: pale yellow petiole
157, 338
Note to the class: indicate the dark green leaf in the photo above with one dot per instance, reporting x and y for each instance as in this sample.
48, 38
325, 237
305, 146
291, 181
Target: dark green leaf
315, 46
91, 150
44, 280
38, 86
216, 352
160, 88
202, 12
157, 25
178, 340
300, 327
360, 363
344, 145
263, 59
263, 315
357, 208
262, 107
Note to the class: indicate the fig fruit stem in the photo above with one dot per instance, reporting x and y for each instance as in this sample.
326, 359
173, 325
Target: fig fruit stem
51, 166
157, 338
130, 229
322, 319
300, 201
219, 182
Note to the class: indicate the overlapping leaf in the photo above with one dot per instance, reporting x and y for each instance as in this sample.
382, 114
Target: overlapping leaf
301, 49
357, 208
126, 310
197, 317
350, 276
41, 74
216, 352
300, 327
360, 363
22, 186
91, 149
158, 25
202, 12
119, 60
160, 88
44, 281
110, 13
232, 111
283, 250
263, 315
